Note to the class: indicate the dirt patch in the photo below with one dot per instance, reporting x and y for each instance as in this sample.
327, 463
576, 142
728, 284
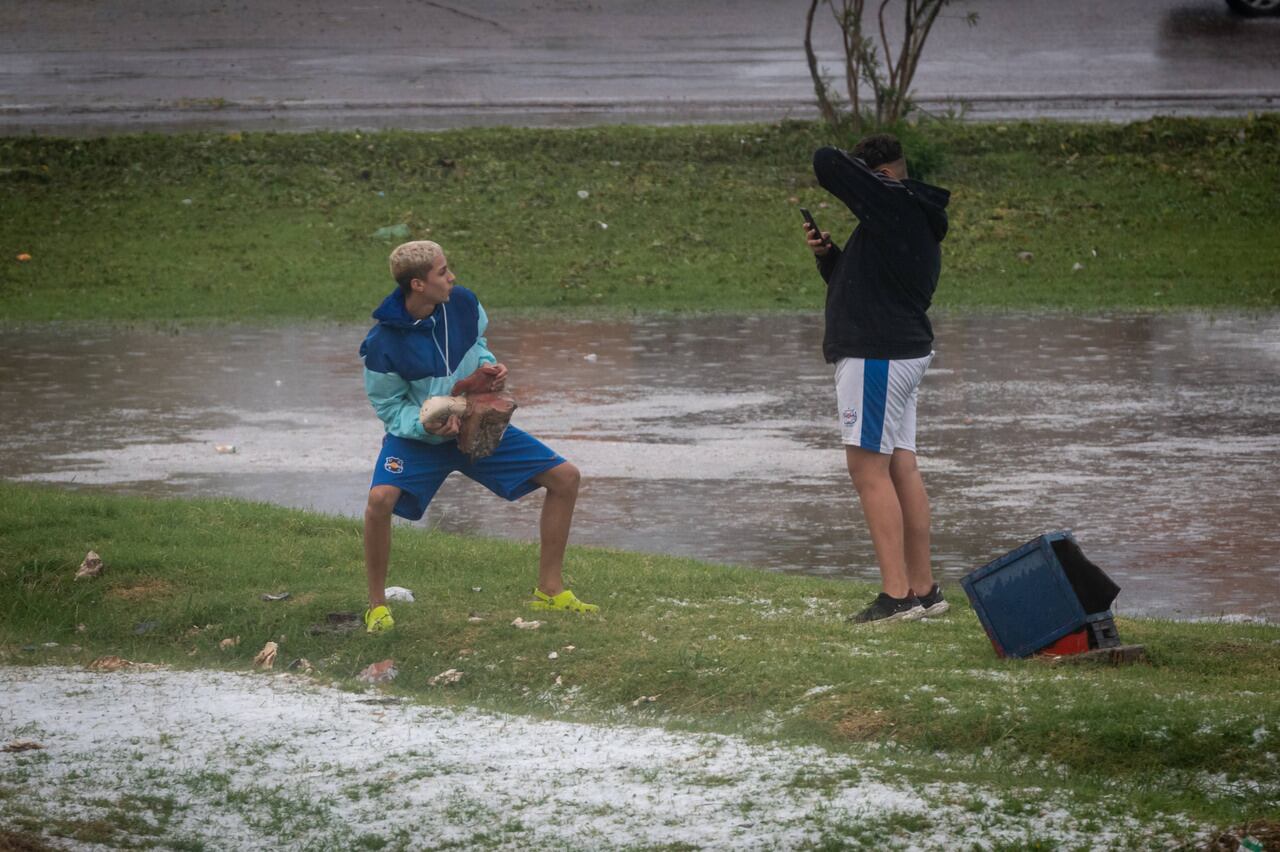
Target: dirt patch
149, 590
861, 725
1265, 831
20, 841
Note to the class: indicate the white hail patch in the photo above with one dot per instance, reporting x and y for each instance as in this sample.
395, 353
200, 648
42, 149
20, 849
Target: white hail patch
267, 761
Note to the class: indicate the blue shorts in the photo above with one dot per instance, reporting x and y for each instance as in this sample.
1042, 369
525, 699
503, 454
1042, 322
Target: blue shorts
418, 468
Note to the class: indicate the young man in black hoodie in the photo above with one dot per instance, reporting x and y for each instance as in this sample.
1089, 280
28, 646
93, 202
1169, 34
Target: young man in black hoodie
879, 287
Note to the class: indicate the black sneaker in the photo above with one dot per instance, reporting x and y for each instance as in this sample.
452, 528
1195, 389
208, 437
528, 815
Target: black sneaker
885, 608
933, 602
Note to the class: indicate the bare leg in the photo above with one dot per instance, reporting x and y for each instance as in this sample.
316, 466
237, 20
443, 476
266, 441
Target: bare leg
870, 473
561, 483
377, 540
914, 501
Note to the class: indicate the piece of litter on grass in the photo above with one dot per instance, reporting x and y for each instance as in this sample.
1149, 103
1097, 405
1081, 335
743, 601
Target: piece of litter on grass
582, 193
445, 678
645, 699
1077, 266
392, 232
23, 257
553, 656
80, 628
91, 566
229, 642
302, 664
476, 588
474, 617
49, 645
145, 627
521, 624
225, 449
398, 593
108, 664
379, 672
283, 596
266, 658
604, 226
1025, 256
569, 648
21, 745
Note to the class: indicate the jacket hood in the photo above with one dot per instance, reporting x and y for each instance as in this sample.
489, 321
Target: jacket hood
933, 201
393, 312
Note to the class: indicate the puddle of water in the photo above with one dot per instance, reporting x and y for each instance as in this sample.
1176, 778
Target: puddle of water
1154, 438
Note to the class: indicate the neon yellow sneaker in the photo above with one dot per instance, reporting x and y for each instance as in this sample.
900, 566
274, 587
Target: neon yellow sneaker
378, 620
566, 601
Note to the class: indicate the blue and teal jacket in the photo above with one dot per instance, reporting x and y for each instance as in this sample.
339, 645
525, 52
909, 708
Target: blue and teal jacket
407, 360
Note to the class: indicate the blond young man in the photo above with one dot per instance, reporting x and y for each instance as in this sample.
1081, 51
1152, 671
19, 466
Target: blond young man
430, 335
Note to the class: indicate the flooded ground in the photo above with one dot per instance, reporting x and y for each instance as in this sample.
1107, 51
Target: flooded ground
1155, 438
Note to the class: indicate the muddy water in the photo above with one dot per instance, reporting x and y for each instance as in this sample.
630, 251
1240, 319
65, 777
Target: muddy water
1155, 438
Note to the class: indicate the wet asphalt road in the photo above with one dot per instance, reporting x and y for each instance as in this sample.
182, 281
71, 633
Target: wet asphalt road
1153, 437
86, 67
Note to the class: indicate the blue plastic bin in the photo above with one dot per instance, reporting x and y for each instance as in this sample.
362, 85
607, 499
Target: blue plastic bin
1033, 596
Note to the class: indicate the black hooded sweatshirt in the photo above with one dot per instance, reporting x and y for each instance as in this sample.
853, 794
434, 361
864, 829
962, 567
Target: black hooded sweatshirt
880, 285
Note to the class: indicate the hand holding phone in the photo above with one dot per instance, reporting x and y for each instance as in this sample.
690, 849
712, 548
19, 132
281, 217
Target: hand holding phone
813, 226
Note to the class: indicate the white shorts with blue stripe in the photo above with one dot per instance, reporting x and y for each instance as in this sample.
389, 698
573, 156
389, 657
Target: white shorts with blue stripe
876, 402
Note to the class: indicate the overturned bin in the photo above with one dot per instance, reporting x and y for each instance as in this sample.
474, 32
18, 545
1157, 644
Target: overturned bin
1046, 596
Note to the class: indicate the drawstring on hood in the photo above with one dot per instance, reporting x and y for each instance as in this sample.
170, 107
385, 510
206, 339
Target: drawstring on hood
399, 342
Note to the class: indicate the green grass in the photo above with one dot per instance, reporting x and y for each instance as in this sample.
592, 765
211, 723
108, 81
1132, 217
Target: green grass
1169, 213
725, 649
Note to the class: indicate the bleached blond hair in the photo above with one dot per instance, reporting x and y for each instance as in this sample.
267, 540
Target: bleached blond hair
413, 260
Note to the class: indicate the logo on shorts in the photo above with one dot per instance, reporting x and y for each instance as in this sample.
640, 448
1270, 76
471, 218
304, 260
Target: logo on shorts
393, 465
849, 416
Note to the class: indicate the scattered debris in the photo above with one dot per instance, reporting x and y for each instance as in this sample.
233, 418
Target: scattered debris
337, 622
229, 642
302, 664
399, 593
115, 664
21, 745
144, 627
108, 664
445, 678
521, 624
553, 656
283, 596
91, 566
225, 449
379, 672
267, 656
645, 699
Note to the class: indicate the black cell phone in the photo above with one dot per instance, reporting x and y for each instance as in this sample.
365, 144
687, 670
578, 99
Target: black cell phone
808, 219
